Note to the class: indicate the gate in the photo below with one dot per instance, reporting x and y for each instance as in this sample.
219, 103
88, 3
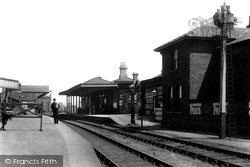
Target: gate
25, 110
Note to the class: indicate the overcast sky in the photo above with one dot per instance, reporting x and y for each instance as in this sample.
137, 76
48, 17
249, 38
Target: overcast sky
62, 43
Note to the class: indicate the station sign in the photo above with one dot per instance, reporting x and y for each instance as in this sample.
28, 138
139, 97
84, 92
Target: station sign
9, 83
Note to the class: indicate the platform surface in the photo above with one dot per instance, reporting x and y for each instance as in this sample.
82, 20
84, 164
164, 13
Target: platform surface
125, 119
239, 144
23, 137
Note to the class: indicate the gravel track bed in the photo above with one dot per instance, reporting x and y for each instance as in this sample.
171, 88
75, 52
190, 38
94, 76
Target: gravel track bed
118, 155
170, 157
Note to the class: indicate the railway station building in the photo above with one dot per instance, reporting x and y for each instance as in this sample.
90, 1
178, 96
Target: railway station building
151, 98
186, 95
191, 79
99, 96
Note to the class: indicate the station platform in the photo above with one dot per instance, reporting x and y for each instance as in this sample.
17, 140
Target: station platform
122, 119
241, 145
23, 137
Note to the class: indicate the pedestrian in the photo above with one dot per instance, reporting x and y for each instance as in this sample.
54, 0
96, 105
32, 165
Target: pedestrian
55, 107
5, 117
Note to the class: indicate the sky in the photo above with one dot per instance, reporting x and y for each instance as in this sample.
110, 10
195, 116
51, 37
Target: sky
62, 43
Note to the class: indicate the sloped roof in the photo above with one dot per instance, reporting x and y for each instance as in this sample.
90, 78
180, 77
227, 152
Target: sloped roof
91, 85
152, 81
205, 31
243, 37
122, 80
34, 89
96, 81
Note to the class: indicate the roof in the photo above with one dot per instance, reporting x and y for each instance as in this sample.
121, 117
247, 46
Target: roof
97, 81
152, 81
92, 85
123, 80
205, 31
34, 89
243, 37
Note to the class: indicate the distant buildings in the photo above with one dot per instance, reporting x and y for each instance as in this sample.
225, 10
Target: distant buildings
14, 92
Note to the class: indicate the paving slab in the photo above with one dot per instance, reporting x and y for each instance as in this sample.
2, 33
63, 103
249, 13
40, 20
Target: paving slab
23, 137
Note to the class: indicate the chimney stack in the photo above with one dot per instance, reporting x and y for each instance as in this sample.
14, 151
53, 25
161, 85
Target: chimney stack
123, 70
135, 76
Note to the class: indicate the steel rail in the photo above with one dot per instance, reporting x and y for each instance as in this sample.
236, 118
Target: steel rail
189, 153
209, 148
179, 150
105, 159
202, 146
142, 155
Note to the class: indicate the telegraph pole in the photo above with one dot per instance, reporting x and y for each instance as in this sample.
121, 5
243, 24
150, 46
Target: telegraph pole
223, 72
225, 20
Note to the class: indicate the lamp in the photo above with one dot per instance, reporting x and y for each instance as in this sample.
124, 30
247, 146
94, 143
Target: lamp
154, 92
154, 95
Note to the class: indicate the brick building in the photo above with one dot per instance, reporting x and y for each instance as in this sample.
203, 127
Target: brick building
191, 78
151, 97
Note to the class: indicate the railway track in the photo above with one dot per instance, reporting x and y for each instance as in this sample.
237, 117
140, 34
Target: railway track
208, 154
214, 156
114, 153
154, 154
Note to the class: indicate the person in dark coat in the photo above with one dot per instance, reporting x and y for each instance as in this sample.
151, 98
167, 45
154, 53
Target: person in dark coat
55, 107
5, 117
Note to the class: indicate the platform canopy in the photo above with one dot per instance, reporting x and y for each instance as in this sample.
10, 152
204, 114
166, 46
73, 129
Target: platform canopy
38, 90
34, 89
90, 86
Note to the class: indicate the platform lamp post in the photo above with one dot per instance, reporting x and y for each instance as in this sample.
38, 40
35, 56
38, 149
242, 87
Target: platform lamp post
224, 20
134, 88
20, 96
154, 96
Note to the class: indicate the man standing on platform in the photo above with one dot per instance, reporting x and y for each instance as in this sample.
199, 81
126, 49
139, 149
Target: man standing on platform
55, 107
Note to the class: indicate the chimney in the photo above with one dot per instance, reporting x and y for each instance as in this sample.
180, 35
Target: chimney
123, 70
135, 76
248, 26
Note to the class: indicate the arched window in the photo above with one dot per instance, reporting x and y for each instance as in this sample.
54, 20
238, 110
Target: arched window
174, 60
170, 98
178, 98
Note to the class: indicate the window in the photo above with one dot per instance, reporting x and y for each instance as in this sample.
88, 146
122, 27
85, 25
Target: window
169, 98
174, 60
178, 98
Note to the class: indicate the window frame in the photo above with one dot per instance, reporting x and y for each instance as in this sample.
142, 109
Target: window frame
170, 98
174, 60
178, 98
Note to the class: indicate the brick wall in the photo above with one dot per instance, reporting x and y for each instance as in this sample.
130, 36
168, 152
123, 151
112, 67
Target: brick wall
198, 67
199, 74
195, 61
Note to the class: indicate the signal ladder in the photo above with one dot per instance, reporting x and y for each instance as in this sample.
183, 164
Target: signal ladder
230, 94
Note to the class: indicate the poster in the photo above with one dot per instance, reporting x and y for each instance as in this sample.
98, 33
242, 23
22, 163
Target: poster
195, 108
